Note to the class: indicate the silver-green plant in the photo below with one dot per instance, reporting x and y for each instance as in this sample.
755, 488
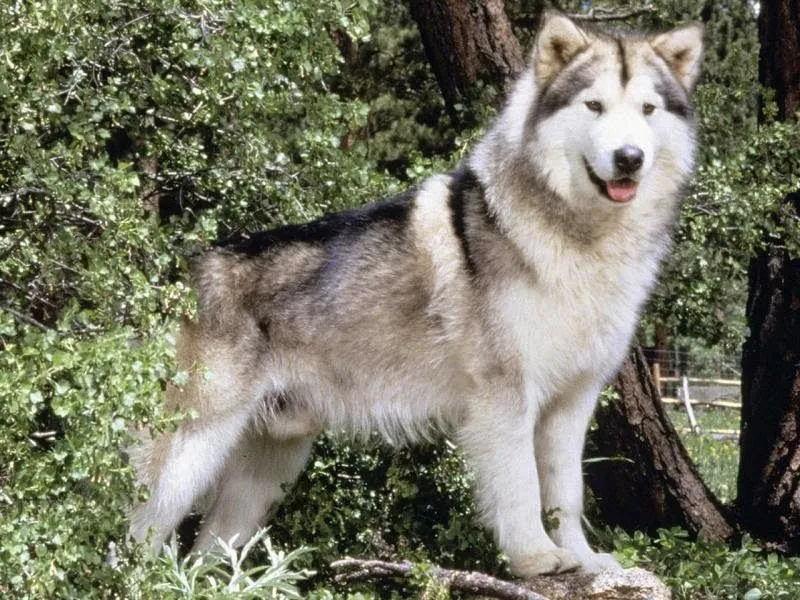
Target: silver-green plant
224, 573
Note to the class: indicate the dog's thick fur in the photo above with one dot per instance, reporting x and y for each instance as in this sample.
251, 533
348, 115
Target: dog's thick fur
492, 303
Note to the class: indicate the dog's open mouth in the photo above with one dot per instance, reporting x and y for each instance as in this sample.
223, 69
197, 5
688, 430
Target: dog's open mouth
619, 190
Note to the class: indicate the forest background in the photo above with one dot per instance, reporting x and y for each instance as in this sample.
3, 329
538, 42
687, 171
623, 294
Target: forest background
133, 134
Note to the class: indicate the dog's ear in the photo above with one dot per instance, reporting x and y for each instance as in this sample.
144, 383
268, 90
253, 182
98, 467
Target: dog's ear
682, 50
558, 40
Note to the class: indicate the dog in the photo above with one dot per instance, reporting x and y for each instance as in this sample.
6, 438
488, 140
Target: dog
492, 303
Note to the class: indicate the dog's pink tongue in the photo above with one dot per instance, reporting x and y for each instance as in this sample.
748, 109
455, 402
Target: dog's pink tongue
621, 190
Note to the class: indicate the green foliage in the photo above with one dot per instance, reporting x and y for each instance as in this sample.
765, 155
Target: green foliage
697, 569
407, 118
66, 405
133, 133
414, 503
700, 570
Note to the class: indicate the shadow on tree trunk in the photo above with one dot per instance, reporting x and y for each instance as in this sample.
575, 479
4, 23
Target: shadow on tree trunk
655, 484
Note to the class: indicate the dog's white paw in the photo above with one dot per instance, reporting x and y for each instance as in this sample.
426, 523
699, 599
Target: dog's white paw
598, 562
553, 560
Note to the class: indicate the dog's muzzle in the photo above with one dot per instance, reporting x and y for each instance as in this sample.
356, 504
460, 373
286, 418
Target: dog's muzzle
627, 160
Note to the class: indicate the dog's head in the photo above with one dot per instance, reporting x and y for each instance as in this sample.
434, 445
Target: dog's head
608, 116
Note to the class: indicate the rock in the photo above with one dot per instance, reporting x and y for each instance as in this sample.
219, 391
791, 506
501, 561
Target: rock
617, 584
630, 584
627, 584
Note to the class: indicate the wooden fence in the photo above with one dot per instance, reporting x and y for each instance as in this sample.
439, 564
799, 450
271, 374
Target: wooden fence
684, 395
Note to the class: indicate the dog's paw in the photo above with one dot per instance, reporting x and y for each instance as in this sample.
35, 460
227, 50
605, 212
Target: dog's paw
554, 560
596, 563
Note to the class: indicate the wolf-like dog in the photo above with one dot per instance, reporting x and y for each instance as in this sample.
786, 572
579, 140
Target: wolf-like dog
492, 303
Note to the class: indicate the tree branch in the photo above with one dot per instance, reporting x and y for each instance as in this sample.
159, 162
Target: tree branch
596, 15
630, 584
599, 15
24, 318
351, 569
24, 191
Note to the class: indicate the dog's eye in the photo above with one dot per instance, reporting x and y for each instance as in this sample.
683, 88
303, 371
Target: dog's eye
648, 108
594, 106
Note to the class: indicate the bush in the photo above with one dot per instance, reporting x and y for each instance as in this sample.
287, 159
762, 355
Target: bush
132, 134
700, 570
411, 503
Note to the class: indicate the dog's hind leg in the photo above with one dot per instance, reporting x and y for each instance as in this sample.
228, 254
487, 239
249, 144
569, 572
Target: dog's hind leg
254, 480
179, 467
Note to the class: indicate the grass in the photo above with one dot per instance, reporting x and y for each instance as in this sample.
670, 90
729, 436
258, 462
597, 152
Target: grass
716, 459
700, 570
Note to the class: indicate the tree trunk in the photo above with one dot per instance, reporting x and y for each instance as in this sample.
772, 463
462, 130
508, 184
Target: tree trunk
779, 59
769, 472
655, 483
467, 41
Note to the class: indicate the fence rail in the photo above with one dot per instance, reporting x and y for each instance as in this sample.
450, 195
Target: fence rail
684, 397
715, 403
736, 382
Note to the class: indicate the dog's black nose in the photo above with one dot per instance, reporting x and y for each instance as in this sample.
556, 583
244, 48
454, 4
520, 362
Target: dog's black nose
628, 159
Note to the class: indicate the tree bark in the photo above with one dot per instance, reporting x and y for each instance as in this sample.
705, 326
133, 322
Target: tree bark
779, 58
769, 472
467, 41
768, 498
651, 482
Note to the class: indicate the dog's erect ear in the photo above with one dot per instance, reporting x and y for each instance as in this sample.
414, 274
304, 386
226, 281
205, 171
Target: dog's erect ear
682, 49
558, 41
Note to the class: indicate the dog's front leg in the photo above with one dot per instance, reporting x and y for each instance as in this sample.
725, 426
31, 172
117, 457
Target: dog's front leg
498, 440
559, 440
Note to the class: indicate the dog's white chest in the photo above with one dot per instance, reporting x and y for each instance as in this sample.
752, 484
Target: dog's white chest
567, 332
